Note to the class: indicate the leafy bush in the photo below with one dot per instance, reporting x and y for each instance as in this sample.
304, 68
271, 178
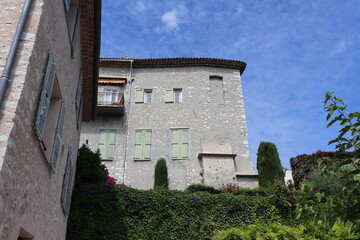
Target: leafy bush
279, 231
201, 188
230, 188
89, 168
119, 212
161, 175
259, 192
268, 164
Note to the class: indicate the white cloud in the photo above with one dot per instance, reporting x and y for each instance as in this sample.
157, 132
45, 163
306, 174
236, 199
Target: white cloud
339, 48
239, 9
173, 18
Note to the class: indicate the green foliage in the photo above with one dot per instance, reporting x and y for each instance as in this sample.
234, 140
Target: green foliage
119, 212
277, 231
268, 164
89, 168
302, 165
161, 175
201, 188
345, 205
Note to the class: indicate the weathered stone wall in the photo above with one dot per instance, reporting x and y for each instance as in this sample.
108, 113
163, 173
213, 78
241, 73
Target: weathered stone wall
210, 120
30, 192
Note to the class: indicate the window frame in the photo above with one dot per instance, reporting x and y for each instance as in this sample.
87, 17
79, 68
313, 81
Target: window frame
147, 93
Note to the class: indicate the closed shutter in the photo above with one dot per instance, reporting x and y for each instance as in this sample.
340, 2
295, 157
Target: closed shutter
107, 144
79, 90
45, 97
69, 189
57, 139
75, 34
139, 95
67, 5
169, 95
66, 180
142, 145
183, 144
175, 144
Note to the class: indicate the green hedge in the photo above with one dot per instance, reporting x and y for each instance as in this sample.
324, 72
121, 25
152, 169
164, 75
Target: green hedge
120, 212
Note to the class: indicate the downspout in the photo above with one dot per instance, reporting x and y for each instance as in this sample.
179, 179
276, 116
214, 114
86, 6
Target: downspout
5, 77
127, 119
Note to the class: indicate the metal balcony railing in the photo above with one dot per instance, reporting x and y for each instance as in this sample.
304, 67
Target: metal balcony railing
110, 99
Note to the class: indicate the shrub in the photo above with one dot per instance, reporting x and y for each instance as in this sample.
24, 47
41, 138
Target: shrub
230, 188
161, 175
268, 164
89, 168
202, 188
256, 192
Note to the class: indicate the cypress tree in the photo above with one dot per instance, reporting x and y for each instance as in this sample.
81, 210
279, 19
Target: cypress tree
268, 164
161, 175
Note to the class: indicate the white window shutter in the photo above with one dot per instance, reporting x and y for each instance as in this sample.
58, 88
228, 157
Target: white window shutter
139, 95
169, 95
67, 5
66, 179
76, 33
57, 139
45, 97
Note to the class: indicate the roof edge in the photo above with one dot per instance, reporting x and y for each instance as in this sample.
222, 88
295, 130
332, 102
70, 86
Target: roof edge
173, 62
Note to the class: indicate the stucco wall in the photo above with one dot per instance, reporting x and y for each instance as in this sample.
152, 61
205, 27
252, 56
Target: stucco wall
30, 192
209, 119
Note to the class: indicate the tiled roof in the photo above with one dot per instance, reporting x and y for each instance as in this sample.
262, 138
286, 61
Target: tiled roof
173, 62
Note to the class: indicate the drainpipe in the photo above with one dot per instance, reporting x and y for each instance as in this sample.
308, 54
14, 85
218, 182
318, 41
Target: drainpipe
127, 119
5, 77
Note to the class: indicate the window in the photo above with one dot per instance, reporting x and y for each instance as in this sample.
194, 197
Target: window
179, 144
173, 95
142, 145
147, 95
24, 235
143, 95
111, 96
73, 22
216, 87
68, 184
50, 116
107, 144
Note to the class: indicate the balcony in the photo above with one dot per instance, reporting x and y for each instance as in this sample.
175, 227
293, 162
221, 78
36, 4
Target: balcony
110, 103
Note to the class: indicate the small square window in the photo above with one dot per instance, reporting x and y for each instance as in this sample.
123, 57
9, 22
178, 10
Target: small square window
147, 95
177, 95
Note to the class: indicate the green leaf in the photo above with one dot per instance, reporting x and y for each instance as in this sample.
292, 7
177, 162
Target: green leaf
357, 177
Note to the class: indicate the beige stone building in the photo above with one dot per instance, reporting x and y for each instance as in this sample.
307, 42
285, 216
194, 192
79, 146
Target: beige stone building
189, 111
49, 53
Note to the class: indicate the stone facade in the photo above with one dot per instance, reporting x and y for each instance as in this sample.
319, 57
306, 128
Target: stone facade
31, 189
210, 116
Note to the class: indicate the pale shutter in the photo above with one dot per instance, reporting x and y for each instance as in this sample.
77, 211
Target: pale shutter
183, 139
67, 5
45, 97
79, 90
57, 139
138, 145
169, 95
139, 95
111, 144
66, 180
69, 189
175, 144
102, 144
146, 144
76, 33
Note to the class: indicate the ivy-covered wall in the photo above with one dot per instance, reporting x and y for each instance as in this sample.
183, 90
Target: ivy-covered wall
118, 212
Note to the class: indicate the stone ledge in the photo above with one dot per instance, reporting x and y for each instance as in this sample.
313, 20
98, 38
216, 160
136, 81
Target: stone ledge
217, 155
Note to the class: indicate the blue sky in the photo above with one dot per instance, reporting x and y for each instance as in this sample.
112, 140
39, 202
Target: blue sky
295, 52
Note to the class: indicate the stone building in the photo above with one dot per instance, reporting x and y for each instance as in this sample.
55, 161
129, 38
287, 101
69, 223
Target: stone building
189, 111
49, 50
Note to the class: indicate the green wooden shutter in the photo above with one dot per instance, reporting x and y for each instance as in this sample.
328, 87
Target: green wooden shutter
102, 144
175, 144
169, 95
139, 95
45, 97
57, 139
146, 144
183, 143
111, 144
76, 33
138, 145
